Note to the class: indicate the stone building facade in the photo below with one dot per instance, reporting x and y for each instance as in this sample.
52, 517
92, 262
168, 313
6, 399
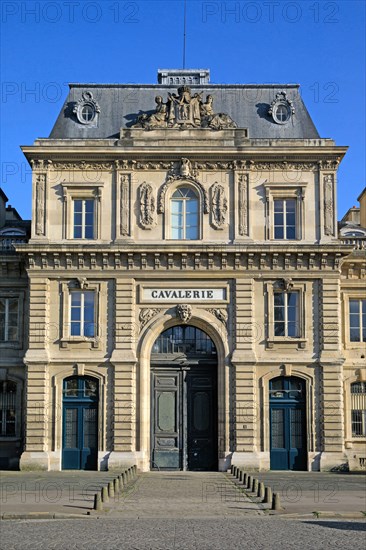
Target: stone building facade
13, 333
187, 284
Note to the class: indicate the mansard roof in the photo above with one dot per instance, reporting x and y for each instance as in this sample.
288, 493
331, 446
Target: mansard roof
118, 106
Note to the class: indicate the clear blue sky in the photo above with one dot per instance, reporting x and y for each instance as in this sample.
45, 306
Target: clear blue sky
47, 44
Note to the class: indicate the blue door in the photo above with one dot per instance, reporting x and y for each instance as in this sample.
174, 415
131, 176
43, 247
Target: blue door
80, 423
287, 424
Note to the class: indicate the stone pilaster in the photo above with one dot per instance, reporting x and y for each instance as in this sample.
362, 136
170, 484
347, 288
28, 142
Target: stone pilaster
331, 361
243, 428
124, 361
35, 456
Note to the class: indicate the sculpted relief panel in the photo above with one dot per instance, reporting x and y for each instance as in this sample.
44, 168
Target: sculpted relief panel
184, 110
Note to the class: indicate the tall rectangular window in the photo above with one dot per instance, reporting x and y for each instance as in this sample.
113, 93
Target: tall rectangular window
286, 314
82, 314
357, 320
9, 308
358, 409
8, 393
285, 219
83, 218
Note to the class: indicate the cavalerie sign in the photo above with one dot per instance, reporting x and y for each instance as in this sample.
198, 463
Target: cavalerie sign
184, 294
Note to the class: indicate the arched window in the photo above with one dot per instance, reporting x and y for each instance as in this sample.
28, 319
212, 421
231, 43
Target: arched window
184, 214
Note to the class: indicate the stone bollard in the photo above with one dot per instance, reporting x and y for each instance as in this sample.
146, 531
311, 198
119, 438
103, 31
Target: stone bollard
249, 482
116, 485
110, 489
245, 478
120, 482
105, 497
124, 479
255, 486
135, 470
241, 474
233, 470
268, 495
260, 492
97, 502
276, 502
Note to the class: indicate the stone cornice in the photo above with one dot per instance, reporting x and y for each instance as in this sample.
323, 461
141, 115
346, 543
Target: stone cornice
252, 158
213, 259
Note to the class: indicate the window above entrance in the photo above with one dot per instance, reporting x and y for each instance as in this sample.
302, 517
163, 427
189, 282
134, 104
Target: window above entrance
186, 340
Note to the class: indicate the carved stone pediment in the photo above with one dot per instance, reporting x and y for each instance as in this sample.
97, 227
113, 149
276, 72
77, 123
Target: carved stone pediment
184, 110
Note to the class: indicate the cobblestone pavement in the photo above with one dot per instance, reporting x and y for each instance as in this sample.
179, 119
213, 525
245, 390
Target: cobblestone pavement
196, 534
184, 495
306, 492
69, 492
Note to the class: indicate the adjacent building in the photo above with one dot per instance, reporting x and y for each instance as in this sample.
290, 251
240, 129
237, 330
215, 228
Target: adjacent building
187, 285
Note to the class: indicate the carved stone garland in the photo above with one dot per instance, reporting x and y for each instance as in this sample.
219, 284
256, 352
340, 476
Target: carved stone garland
243, 204
218, 206
40, 203
125, 205
328, 205
147, 206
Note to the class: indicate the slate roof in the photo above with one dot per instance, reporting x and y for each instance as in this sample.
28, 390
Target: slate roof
247, 105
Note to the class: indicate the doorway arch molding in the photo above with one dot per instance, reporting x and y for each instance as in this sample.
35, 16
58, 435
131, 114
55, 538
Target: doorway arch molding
57, 390
211, 326
310, 404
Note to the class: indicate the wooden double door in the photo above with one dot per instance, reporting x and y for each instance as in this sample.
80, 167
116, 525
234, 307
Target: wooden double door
184, 418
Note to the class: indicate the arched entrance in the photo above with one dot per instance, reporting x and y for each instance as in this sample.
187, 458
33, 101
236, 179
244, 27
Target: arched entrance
287, 406
80, 423
184, 400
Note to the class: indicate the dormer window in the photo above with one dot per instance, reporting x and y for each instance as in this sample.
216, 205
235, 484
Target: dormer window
282, 113
87, 110
281, 108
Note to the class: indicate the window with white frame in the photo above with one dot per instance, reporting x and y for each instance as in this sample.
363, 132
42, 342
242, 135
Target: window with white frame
286, 314
357, 320
285, 210
84, 218
184, 214
358, 409
284, 219
82, 314
9, 319
8, 407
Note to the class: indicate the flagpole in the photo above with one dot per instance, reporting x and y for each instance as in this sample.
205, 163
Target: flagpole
184, 34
